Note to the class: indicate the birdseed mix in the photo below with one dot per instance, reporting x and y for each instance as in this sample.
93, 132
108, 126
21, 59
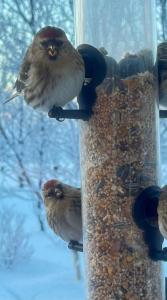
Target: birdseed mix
118, 159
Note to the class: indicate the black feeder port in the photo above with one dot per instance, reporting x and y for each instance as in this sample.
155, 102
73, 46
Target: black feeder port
95, 72
146, 218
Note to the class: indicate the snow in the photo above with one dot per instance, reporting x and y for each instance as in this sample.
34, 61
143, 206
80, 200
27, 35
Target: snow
49, 274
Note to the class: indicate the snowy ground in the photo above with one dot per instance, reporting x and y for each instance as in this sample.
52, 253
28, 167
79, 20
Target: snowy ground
48, 275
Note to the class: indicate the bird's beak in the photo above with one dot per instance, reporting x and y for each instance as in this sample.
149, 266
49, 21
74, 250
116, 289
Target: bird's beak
52, 51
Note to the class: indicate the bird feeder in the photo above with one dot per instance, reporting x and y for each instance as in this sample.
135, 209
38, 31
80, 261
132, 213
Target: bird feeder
119, 149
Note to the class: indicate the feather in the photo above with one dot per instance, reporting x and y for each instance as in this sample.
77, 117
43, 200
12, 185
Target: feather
16, 94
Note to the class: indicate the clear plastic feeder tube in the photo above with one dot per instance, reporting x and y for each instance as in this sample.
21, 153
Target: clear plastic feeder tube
119, 149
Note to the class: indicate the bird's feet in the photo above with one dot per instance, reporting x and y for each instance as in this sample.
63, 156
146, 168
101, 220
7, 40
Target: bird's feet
56, 112
74, 245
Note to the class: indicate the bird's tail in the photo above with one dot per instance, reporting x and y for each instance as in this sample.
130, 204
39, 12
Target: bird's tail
76, 263
16, 94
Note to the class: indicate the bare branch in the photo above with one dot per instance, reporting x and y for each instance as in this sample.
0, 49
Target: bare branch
21, 13
24, 174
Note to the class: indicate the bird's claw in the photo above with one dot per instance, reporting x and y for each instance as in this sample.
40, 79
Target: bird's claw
74, 245
56, 112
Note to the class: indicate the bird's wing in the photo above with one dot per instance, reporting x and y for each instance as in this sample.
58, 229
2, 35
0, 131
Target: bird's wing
23, 73
73, 215
23, 76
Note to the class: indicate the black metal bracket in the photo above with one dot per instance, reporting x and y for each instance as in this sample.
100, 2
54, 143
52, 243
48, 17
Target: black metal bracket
61, 114
95, 72
146, 217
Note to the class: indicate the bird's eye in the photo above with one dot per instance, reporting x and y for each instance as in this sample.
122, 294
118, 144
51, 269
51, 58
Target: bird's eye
44, 44
52, 42
58, 43
50, 193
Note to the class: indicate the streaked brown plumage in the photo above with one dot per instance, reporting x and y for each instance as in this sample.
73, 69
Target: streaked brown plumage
63, 209
162, 212
52, 72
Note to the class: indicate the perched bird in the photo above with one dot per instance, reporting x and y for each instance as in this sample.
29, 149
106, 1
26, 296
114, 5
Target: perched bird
63, 209
162, 212
52, 72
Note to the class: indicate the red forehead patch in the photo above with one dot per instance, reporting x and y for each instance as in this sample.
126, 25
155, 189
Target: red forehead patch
51, 32
50, 184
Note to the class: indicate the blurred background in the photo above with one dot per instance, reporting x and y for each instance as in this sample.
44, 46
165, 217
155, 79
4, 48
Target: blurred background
34, 263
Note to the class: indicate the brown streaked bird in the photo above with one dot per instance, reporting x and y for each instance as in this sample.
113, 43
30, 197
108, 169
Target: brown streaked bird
162, 212
52, 72
63, 209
